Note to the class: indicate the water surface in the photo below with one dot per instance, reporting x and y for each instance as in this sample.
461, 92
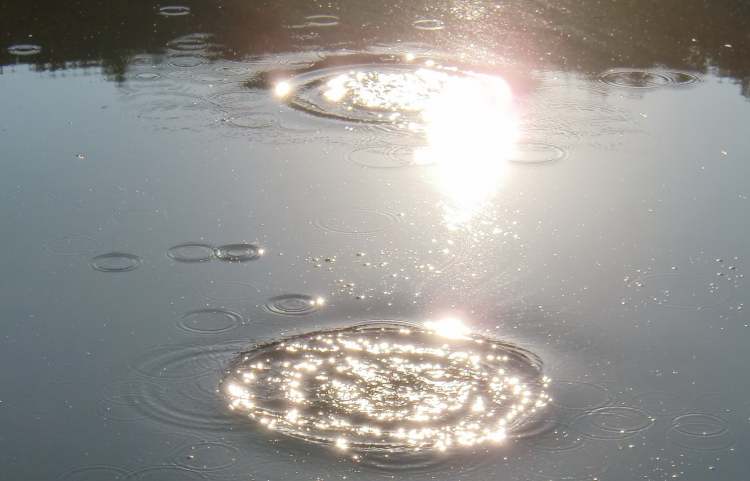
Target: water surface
192, 189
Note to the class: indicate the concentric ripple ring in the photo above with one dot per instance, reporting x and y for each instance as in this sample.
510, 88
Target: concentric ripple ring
388, 387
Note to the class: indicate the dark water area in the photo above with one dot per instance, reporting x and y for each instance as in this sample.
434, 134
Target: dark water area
375, 240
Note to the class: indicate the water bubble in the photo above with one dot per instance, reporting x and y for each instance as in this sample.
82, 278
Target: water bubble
24, 50
536, 153
174, 11
615, 422
701, 432
209, 321
428, 24
294, 304
388, 387
207, 456
116, 262
190, 252
238, 252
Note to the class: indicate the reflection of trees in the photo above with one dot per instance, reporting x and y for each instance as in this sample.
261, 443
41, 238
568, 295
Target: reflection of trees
581, 35
688, 34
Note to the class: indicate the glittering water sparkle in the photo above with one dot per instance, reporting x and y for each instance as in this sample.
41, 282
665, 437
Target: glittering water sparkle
388, 386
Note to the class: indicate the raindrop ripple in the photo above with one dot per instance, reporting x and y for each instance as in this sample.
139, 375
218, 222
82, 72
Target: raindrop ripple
293, 305
190, 252
116, 262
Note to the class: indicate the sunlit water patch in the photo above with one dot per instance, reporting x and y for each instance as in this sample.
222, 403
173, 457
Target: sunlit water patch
389, 387
387, 90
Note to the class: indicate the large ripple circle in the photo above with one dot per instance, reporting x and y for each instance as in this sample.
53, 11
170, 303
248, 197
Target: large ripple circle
371, 93
388, 387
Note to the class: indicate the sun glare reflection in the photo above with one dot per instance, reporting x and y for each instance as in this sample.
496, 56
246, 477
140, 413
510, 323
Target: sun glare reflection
468, 121
471, 130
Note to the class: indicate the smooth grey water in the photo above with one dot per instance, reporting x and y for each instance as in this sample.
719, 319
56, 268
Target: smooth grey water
188, 186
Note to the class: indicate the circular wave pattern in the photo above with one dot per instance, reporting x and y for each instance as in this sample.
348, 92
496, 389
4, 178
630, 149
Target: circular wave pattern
174, 11
358, 222
537, 153
165, 473
209, 321
384, 93
207, 456
700, 432
383, 156
238, 252
116, 262
85, 473
428, 24
24, 50
646, 79
318, 21
616, 422
388, 387
191, 252
294, 304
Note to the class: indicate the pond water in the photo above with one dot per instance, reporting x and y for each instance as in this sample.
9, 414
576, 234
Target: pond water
375, 240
